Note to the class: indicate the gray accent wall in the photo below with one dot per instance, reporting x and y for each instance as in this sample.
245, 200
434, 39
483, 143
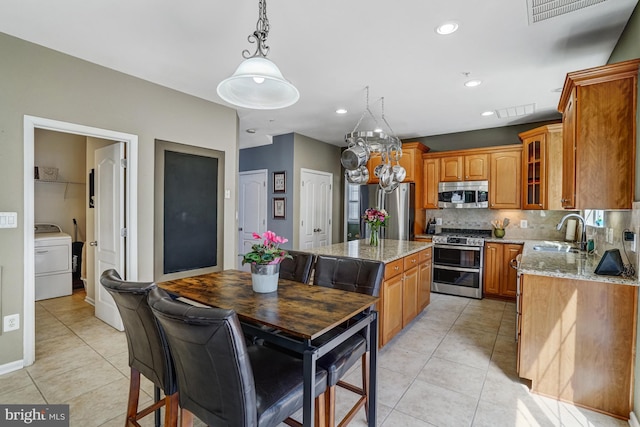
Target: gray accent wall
275, 157
479, 138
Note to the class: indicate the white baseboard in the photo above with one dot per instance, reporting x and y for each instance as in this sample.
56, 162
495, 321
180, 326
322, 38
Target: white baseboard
12, 366
93, 303
633, 420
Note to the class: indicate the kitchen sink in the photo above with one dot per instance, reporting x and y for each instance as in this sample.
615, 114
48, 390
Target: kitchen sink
555, 247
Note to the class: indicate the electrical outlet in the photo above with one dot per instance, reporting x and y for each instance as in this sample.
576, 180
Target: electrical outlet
11, 322
438, 221
523, 223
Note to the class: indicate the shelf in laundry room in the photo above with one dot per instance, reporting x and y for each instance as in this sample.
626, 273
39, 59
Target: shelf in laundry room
66, 183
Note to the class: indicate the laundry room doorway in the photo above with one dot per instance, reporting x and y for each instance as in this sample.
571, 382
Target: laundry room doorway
126, 193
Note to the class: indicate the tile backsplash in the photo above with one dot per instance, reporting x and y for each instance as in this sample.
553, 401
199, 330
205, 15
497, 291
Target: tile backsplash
541, 225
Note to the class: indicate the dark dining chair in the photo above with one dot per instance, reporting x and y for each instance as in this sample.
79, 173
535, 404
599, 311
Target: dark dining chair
297, 268
355, 275
149, 353
222, 381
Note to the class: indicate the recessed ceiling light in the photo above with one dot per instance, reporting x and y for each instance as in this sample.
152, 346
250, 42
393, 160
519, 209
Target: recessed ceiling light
473, 83
488, 113
447, 28
250, 131
341, 111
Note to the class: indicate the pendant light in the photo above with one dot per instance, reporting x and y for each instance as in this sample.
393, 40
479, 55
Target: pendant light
257, 82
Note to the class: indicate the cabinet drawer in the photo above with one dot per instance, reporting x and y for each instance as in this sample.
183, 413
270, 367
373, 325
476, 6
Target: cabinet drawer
393, 268
411, 261
425, 255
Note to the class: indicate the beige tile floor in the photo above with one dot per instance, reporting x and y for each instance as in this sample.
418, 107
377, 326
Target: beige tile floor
453, 366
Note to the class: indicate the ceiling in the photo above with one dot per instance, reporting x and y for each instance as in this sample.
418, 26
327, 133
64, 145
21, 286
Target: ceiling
331, 50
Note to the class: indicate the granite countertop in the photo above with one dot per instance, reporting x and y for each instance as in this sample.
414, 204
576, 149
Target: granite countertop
567, 265
387, 251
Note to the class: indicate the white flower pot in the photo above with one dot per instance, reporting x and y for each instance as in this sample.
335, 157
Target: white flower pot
264, 278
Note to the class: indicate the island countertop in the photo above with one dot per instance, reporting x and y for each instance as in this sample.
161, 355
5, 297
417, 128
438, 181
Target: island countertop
387, 251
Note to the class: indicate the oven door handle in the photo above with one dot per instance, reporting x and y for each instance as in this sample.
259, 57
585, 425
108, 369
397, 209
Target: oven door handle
458, 247
446, 267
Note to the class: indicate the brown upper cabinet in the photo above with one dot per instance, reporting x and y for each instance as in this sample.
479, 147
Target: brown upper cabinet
505, 179
411, 160
500, 165
472, 167
542, 167
431, 175
598, 107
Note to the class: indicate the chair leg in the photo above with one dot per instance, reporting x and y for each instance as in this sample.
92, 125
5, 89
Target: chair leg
186, 418
365, 383
363, 392
171, 410
330, 406
134, 394
320, 417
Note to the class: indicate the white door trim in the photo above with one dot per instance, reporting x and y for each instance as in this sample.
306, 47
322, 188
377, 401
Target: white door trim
131, 272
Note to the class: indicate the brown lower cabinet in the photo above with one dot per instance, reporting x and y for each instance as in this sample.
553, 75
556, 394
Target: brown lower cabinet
577, 341
499, 278
405, 292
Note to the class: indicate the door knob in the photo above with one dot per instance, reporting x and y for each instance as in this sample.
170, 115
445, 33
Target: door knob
94, 243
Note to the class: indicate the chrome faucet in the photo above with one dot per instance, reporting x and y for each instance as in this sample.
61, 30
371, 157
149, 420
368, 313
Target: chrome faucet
583, 239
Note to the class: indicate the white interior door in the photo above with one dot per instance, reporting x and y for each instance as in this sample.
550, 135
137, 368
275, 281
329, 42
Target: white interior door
316, 195
109, 226
252, 210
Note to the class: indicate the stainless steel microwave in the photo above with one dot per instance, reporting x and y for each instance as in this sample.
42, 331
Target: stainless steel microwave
463, 194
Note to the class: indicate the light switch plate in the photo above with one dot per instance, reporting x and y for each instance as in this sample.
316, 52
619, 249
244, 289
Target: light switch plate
524, 223
8, 219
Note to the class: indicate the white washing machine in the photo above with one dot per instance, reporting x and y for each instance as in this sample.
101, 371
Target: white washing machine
52, 262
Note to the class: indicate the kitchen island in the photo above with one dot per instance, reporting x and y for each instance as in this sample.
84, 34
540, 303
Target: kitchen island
577, 330
406, 289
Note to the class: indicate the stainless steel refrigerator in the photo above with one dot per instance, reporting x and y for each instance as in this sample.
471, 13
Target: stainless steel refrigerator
400, 205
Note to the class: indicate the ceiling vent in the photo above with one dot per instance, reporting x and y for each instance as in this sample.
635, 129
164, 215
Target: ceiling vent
520, 110
540, 10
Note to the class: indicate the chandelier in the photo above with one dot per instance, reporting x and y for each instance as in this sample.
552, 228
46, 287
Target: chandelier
360, 145
257, 82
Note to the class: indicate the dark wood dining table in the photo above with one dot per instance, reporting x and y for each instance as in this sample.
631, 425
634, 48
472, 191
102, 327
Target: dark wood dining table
302, 312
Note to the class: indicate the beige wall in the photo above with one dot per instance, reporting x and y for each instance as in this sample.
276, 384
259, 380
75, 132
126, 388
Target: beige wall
310, 153
40, 82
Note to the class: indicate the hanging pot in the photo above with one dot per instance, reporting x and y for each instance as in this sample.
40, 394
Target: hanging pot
399, 172
354, 156
358, 176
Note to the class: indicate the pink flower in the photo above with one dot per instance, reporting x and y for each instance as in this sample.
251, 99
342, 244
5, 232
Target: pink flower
256, 235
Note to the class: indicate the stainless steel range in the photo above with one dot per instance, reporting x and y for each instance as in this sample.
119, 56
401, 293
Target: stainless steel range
458, 258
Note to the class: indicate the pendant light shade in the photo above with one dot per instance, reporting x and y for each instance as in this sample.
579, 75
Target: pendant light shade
258, 84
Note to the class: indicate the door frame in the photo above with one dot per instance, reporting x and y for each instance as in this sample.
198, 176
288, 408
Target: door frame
31, 123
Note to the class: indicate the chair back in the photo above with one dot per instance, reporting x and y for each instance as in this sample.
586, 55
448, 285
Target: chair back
297, 269
213, 367
148, 349
349, 274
